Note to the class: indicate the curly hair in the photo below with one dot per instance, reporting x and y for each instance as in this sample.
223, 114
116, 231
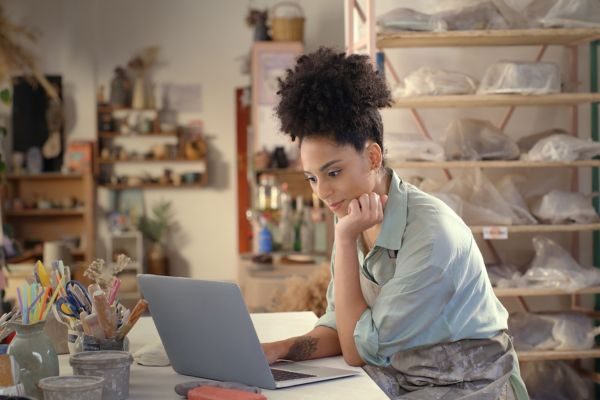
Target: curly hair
330, 94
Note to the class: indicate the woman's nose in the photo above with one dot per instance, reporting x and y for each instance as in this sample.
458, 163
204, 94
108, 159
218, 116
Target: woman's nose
323, 190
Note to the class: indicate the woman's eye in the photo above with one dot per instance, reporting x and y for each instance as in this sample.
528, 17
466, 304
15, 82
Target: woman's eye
311, 179
335, 173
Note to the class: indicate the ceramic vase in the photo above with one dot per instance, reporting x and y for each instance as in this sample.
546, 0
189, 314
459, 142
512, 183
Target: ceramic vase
35, 354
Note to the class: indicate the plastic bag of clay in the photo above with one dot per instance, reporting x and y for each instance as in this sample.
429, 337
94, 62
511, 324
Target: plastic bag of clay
519, 77
504, 275
465, 15
565, 13
552, 331
526, 143
557, 207
554, 267
430, 81
412, 146
555, 380
475, 139
406, 19
481, 203
563, 147
507, 187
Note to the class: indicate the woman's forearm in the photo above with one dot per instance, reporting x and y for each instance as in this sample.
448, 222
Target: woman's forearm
318, 343
349, 300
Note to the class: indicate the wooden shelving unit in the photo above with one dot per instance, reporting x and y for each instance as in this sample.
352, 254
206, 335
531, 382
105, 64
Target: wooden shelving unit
494, 164
154, 186
151, 161
541, 228
57, 212
537, 292
113, 135
106, 165
541, 355
496, 37
570, 38
53, 224
495, 100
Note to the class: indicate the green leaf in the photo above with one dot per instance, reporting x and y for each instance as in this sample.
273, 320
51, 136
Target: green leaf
3, 131
5, 96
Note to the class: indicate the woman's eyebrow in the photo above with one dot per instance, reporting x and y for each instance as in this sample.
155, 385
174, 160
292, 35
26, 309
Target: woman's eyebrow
325, 166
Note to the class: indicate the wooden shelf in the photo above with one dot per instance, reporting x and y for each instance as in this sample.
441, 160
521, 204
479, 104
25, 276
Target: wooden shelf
538, 355
28, 254
278, 171
108, 107
112, 135
529, 292
166, 160
499, 37
76, 212
543, 228
44, 176
492, 164
154, 186
495, 100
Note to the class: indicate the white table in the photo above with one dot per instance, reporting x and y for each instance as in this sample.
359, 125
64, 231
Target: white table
150, 383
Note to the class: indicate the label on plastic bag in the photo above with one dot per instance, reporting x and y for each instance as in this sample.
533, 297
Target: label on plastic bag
495, 232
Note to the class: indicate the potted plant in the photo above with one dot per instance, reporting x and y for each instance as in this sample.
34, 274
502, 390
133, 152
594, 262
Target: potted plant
154, 229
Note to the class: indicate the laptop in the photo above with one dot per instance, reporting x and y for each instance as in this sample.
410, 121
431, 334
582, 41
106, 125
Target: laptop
207, 332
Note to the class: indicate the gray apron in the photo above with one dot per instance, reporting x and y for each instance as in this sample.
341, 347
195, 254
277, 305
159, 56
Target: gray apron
467, 369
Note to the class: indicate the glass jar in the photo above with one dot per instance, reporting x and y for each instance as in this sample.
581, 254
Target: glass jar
35, 354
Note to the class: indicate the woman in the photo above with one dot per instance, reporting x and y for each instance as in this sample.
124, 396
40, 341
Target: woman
409, 299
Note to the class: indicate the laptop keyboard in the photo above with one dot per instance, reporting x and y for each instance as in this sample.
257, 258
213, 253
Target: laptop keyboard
282, 375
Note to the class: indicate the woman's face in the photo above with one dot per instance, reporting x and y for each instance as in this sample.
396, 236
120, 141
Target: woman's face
336, 173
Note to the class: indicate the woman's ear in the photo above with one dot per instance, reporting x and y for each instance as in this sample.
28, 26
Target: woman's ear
375, 155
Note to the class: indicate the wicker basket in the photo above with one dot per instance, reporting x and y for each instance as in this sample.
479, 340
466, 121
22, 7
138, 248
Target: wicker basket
287, 29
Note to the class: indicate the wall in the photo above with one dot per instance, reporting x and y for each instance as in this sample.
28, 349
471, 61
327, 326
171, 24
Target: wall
202, 42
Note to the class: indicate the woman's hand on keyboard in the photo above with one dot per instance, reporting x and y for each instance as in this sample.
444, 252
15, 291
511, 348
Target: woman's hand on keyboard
273, 351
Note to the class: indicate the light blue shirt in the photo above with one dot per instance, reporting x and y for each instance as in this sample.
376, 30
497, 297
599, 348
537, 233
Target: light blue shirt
435, 290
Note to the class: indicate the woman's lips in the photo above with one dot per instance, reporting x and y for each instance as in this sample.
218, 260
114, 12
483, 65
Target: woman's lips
336, 206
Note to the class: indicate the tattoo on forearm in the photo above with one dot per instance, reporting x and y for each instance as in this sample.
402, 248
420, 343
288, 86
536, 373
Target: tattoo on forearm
302, 348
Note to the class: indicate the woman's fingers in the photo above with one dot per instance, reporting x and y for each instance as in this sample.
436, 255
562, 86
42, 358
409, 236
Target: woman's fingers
384, 199
353, 207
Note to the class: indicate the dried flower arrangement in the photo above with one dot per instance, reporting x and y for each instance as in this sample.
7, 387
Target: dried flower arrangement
144, 60
104, 275
15, 58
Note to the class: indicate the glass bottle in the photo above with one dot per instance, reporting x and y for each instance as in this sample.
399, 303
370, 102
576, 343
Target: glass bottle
35, 354
320, 225
263, 192
286, 229
265, 238
298, 224
274, 193
307, 232
167, 117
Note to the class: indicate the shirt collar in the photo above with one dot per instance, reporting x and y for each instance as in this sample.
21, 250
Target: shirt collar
394, 215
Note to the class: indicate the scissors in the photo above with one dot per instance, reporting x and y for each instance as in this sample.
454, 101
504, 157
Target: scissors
66, 308
78, 296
